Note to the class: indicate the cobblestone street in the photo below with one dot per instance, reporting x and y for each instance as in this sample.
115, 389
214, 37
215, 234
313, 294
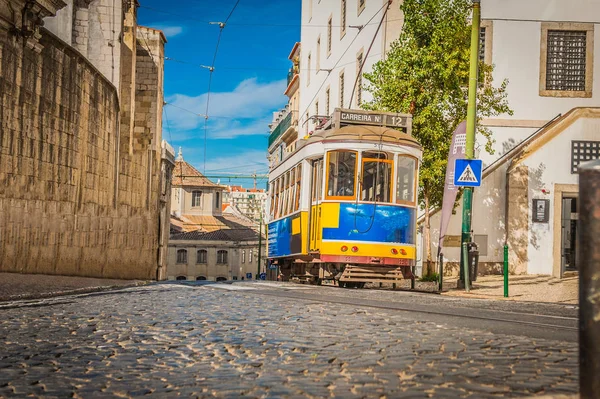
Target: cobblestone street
182, 340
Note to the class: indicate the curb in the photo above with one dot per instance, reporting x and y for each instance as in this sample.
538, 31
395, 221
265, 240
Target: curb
76, 291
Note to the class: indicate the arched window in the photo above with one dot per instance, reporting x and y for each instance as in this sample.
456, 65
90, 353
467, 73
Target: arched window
221, 256
243, 256
181, 278
201, 256
181, 256
221, 278
200, 278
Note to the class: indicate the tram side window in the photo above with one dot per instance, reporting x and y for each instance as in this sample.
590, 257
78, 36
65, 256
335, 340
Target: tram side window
276, 189
297, 197
376, 179
272, 195
405, 182
341, 174
290, 192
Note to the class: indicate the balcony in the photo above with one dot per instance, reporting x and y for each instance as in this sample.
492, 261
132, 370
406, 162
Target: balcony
280, 128
290, 75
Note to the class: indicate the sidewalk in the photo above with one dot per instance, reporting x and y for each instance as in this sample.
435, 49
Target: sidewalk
531, 288
15, 286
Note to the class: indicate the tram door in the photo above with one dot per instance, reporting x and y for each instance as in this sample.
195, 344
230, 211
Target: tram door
315, 195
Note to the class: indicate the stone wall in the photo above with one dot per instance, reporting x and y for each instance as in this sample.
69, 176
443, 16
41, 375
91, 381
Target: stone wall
72, 201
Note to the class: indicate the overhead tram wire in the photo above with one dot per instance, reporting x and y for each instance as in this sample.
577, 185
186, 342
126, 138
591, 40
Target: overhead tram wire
211, 70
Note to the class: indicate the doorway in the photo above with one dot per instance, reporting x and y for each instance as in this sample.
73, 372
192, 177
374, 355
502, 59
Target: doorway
569, 217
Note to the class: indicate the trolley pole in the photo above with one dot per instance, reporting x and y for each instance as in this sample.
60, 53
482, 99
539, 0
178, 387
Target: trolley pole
588, 249
470, 144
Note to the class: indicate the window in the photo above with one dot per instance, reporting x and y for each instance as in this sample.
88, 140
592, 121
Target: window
341, 174
343, 19
181, 278
566, 59
217, 200
342, 89
329, 37
376, 178
250, 256
298, 179
308, 71
405, 180
306, 124
201, 256
318, 60
196, 198
200, 278
243, 256
359, 61
181, 256
317, 179
482, 44
583, 151
327, 101
361, 6
316, 107
565, 62
221, 257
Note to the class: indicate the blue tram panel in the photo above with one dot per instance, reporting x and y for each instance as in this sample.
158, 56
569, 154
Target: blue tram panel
280, 238
374, 223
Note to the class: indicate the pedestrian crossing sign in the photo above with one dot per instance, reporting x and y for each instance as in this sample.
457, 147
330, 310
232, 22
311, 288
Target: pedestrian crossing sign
467, 173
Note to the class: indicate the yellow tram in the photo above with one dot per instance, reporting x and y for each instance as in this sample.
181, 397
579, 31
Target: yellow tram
343, 204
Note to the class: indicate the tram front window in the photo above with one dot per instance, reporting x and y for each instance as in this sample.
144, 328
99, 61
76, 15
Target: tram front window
342, 170
405, 183
376, 180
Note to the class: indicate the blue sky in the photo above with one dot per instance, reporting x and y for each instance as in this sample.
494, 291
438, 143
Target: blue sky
247, 84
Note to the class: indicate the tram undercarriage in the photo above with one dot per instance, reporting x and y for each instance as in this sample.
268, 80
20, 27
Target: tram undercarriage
342, 275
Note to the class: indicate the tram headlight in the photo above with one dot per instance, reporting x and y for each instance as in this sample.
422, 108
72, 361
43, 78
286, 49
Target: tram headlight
403, 251
344, 248
355, 249
394, 251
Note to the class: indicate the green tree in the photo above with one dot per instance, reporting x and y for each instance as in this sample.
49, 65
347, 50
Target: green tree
426, 74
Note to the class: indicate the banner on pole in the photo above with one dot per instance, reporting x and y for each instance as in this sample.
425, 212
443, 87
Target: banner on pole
457, 151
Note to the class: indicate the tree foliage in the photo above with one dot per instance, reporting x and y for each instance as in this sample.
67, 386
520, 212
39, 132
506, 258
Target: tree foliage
426, 74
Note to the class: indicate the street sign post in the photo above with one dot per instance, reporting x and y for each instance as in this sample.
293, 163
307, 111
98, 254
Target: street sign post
467, 173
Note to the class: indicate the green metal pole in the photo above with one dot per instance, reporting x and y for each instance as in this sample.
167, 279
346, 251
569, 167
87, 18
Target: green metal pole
506, 271
259, 247
465, 262
470, 139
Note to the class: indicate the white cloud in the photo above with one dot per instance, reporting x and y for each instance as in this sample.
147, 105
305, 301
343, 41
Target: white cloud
246, 110
169, 31
246, 162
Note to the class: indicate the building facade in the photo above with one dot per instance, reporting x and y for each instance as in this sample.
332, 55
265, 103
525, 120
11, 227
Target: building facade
528, 197
207, 243
228, 254
80, 142
250, 202
336, 36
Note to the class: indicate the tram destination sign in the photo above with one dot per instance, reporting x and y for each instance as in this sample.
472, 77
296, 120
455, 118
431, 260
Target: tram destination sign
373, 118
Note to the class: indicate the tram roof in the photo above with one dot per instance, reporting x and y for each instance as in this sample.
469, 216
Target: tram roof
367, 133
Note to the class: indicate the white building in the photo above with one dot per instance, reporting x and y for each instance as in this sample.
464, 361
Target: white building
251, 202
554, 86
336, 36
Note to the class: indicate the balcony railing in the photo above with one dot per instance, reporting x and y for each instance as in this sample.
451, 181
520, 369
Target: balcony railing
280, 129
290, 75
